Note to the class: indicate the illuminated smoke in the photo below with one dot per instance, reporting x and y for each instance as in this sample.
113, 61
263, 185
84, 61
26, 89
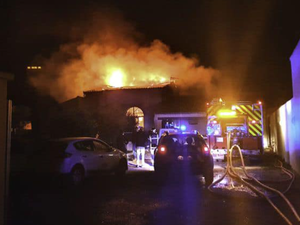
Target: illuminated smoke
108, 54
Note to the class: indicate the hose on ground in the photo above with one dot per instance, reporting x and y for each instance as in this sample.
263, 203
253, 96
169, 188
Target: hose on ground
231, 172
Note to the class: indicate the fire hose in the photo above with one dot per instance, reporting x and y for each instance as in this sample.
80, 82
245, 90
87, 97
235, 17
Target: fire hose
230, 170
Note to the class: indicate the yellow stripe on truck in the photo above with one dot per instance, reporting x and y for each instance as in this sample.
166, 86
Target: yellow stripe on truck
252, 127
245, 110
252, 133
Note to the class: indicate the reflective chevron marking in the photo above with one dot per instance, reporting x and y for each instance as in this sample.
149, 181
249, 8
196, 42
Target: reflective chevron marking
246, 110
252, 133
254, 129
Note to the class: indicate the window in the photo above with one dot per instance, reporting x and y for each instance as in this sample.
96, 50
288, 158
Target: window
84, 146
101, 147
137, 114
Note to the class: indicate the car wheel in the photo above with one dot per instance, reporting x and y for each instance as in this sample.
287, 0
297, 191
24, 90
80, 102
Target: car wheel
77, 175
122, 168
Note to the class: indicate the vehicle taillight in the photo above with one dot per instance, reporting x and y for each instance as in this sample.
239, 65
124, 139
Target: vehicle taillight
162, 149
206, 150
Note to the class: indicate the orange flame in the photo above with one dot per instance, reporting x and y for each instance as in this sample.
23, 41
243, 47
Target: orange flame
111, 57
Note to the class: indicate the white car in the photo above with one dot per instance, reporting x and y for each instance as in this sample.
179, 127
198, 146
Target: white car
79, 157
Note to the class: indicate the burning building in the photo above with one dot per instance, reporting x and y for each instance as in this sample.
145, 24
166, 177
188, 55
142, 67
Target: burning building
108, 52
160, 106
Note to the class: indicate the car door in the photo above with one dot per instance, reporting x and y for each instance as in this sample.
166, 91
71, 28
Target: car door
86, 153
108, 157
49, 157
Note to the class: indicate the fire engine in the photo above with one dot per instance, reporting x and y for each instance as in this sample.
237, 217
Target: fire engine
243, 119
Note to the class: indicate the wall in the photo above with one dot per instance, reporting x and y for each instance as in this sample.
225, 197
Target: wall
3, 128
294, 118
285, 122
121, 100
111, 105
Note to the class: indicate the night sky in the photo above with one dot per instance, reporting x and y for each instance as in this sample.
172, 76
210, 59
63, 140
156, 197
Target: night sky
251, 38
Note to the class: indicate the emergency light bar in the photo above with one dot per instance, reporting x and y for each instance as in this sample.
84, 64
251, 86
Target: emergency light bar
183, 127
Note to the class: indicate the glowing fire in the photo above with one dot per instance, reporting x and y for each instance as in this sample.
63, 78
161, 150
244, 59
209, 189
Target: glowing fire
119, 78
109, 56
116, 79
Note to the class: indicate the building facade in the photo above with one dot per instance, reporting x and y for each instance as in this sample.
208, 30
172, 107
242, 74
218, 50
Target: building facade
285, 122
4, 143
162, 106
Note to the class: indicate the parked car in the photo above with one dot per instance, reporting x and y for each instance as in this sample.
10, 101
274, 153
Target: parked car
78, 157
184, 151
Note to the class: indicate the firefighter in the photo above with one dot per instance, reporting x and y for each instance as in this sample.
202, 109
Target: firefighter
122, 142
134, 137
141, 140
153, 139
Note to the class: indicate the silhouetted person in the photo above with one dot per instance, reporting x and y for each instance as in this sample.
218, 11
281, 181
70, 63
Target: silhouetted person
134, 137
191, 148
141, 140
122, 142
153, 139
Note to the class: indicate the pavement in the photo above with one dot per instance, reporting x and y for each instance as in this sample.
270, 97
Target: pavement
140, 198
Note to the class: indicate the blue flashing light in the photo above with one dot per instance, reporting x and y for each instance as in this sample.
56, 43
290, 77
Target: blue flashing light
183, 127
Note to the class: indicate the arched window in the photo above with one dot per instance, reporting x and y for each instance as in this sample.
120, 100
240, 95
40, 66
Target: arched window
138, 114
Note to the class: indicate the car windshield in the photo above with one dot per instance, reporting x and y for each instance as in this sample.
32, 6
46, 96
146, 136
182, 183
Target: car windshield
182, 140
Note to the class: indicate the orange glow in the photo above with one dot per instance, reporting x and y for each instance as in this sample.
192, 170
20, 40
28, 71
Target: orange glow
34, 67
259, 102
110, 55
162, 149
28, 126
116, 79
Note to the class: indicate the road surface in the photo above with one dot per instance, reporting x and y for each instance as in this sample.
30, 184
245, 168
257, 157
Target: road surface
137, 199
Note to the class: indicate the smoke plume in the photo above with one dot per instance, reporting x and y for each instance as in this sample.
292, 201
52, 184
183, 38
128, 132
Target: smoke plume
105, 51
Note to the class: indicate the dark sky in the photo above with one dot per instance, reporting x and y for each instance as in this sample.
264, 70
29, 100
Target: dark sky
251, 38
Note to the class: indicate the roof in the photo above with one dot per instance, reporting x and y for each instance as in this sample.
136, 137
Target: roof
180, 115
110, 88
69, 139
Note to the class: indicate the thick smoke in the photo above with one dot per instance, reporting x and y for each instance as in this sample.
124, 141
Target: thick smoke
106, 51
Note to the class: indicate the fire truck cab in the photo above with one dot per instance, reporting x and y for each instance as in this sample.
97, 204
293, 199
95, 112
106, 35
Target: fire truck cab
244, 120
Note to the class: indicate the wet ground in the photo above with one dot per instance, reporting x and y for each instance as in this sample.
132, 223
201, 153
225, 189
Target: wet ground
141, 198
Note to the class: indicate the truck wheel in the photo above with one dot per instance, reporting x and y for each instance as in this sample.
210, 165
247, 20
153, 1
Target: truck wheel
209, 177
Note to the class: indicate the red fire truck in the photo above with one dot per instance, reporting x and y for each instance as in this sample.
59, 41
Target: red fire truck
243, 119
